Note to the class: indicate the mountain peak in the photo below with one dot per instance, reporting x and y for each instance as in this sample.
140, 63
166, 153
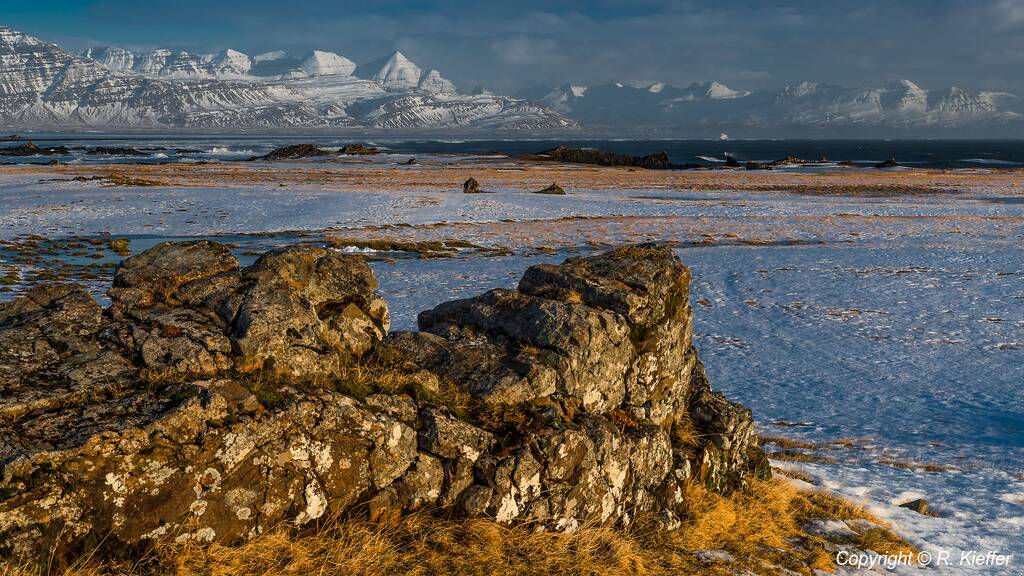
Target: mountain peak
712, 90
9, 37
905, 96
231, 62
111, 56
904, 84
271, 56
433, 83
230, 53
719, 91
398, 73
320, 63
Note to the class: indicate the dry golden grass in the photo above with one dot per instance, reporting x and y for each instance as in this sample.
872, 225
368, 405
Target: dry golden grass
635, 252
795, 474
381, 371
787, 443
852, 443
761, 527
798, 456
573, 297
685, 433
911, 465
528, 176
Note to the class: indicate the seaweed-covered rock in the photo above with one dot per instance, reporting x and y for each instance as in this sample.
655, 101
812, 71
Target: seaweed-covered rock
293, 152
583, 400
358, 150
554, 189
115, 151
658, 161
31, 149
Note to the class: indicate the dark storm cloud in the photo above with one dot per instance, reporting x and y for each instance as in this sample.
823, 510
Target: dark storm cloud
508, 46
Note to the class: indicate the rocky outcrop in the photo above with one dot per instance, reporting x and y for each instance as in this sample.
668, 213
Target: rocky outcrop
298, 151
293, 152
211, 402
32, 149
186, 311
554, 189
115, 151
569, 155
358, 150
471, 186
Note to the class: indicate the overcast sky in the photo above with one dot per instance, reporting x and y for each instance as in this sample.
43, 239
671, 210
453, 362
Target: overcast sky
508, 46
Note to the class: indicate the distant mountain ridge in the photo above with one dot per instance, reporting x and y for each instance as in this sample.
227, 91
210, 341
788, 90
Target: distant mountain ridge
706, 109
43, 86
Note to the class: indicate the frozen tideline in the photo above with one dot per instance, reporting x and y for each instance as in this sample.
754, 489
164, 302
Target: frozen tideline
894, 323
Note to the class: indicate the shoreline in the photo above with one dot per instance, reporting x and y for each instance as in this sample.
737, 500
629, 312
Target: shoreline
819, 301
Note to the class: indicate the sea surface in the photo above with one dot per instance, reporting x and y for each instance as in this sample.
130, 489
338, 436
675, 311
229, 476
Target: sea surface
991, 154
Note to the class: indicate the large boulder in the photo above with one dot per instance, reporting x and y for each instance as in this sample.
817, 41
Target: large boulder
471, 186
209, 402
50, 355
187, 310
293, 152
300, 305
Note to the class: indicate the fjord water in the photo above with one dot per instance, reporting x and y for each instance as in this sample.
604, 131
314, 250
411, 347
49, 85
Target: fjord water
175, 147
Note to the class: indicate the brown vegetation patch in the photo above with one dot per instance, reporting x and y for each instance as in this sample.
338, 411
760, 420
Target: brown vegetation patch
799, 456
510, 174
787, 443
763, 529
115, 179
422, 248
911, 465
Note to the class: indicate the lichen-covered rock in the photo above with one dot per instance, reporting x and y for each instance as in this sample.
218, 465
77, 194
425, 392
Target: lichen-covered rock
587, 401
588, 348
154, 276
216, 465
49, 352
299, 304
187, 310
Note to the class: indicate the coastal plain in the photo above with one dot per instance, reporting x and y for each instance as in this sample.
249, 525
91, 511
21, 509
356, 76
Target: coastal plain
869, 317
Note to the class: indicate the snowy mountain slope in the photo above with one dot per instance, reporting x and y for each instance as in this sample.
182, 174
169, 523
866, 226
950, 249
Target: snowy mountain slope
318, 63
481, 111
900, 105
397, 73
42, 85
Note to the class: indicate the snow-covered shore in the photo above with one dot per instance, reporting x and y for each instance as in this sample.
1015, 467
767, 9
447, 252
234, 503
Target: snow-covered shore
891, 322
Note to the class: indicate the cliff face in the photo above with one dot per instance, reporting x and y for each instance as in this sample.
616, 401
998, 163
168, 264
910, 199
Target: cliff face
211, 402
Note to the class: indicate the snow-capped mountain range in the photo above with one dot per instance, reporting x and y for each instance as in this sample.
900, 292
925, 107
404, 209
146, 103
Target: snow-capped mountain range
707, 109
43, 86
